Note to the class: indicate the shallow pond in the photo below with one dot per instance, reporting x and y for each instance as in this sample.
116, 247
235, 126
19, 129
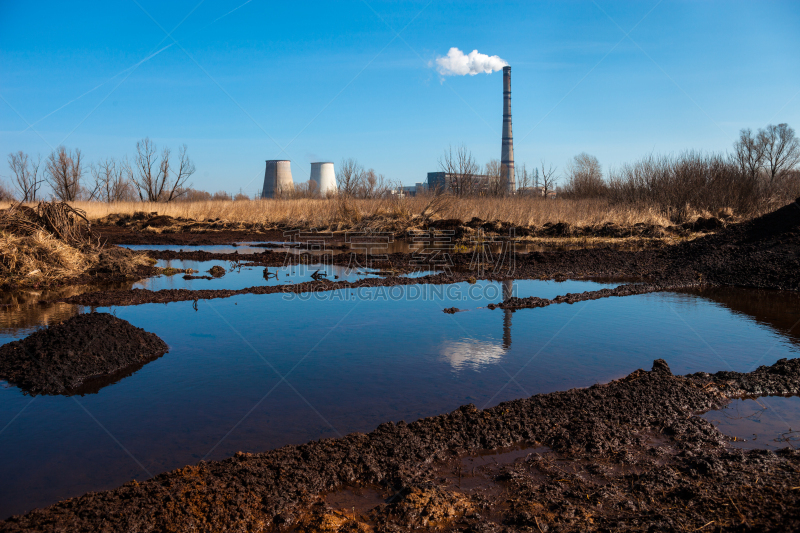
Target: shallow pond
239, 276
768, 422
255, 372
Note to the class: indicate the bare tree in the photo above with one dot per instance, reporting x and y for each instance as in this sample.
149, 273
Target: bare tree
495, 185
145, 177
548, 179
63, 172
585, 177
5, 192
110, 181
460, 170
26, 178
372, 185
781, 150
749, 154
154, 178
524, 177
353, 181
347, 177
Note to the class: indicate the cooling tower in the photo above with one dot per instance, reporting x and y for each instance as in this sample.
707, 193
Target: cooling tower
323, 175
507, 153
277, 179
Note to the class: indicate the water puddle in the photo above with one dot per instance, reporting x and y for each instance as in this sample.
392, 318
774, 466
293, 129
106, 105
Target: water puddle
358, 499
256, 372
480, 471
767, 423
23, 312
238, 276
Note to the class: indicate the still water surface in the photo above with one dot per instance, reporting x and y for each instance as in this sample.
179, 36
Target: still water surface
256, 372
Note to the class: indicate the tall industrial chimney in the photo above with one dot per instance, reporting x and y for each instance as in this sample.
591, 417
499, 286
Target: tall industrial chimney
507, 154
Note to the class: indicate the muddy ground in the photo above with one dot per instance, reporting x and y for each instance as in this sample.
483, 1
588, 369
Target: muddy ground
762, 253
629, 455
78, 356
152, 228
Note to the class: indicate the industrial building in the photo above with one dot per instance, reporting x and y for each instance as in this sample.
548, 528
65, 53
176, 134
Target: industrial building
442, 182
324, 178
277, 179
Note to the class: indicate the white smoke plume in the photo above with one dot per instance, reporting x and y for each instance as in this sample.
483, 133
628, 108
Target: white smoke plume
456, 63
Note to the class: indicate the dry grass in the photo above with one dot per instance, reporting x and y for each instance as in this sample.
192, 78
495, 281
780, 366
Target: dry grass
354, 213
40, 257
50, 242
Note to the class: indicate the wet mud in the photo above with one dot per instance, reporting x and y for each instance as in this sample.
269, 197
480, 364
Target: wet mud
205, 235
152, 228
630, 455
761, 253
79, 356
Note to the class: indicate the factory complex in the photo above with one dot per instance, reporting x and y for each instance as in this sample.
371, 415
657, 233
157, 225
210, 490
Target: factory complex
278, 174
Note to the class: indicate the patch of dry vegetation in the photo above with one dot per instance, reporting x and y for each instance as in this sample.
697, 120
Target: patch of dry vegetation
48, 243
40, 257
392, 213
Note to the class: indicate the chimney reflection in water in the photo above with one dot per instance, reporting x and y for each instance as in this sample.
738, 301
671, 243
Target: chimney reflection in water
508, 291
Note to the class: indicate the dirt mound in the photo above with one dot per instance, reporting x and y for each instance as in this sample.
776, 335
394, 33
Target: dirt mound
62, 358
117, 260
781, 224
217, 271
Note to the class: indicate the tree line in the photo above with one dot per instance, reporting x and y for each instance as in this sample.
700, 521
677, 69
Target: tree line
763, 170
152, 175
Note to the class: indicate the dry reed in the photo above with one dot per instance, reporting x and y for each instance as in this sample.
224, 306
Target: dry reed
40, 257
351, 213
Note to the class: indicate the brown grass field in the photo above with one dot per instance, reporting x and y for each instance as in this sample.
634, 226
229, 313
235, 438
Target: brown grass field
344, 214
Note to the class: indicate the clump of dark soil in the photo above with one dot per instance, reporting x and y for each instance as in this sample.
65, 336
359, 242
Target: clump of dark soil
118, 261
630, 455
216, 271
62, 359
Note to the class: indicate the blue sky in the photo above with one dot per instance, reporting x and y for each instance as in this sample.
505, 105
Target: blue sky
311, 81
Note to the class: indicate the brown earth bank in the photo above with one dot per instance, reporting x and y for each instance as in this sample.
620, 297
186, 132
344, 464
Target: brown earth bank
78, 356
761, 253
630, 455
152, 228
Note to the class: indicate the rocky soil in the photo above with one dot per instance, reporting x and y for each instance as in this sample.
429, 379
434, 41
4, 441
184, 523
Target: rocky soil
630, 455
78, 355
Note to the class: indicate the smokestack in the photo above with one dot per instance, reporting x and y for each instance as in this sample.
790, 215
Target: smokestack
507, 154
